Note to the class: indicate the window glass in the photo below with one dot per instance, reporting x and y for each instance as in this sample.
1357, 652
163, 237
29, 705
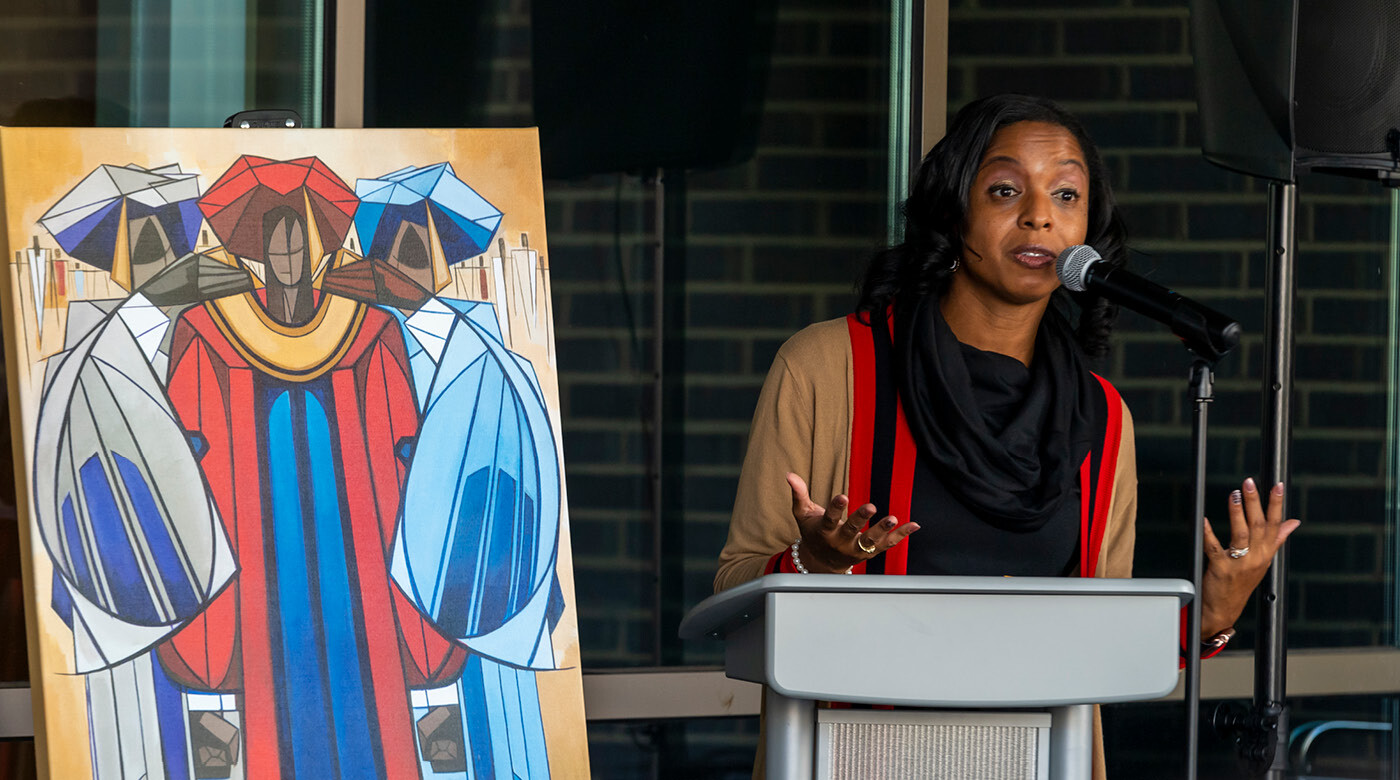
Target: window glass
755, 248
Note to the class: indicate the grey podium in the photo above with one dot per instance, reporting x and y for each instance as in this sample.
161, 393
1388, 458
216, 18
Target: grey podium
1003, 671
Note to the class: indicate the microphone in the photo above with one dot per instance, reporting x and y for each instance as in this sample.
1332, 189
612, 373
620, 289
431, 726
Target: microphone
1204, 331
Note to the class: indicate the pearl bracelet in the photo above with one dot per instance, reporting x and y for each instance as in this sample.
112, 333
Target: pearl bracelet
797, 562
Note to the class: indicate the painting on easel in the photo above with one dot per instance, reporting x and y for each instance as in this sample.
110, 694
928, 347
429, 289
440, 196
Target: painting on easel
286, 415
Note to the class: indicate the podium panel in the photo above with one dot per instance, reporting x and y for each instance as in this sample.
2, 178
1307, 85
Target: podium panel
883, 745
976, 649
983, 643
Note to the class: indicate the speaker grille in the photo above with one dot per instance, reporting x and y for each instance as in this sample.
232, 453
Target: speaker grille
1347, 78
899, 751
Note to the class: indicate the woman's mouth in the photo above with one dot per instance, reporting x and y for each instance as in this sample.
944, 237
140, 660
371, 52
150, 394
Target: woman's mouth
1033, 256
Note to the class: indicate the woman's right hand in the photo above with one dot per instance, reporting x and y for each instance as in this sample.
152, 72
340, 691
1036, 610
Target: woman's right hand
831, 543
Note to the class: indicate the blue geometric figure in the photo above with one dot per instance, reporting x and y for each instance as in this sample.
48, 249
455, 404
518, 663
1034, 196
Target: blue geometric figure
170, 714
403, 449
84, 220
480, 560
354, 736
130, 598
465, 221
82, 574
104, 220
170, 565
61, 601
198, 444
477, 710
303, 687
462, 558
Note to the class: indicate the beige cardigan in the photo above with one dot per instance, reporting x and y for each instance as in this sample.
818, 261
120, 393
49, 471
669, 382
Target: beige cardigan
803, 424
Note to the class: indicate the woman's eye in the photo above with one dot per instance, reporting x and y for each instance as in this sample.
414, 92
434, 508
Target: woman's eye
1068, 196
1002, 190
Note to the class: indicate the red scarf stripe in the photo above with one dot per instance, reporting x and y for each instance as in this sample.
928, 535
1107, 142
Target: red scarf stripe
863, 414
863, 421
1108, 467
906, 454
1087, 563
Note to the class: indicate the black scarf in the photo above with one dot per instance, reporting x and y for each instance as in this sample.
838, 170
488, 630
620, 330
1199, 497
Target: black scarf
1018, 477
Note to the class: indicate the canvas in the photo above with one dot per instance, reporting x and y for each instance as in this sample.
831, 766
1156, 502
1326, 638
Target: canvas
288, 437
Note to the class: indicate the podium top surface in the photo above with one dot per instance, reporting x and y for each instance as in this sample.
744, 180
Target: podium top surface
717, 615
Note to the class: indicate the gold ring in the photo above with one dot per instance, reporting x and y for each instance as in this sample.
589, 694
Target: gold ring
866, 546
1238, 552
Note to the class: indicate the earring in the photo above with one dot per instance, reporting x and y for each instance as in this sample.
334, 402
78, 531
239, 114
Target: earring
954, 266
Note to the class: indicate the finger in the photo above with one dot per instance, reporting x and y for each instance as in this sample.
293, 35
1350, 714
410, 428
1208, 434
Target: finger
900, 533
1254, 513
804, 509
1239, 525
835, 512
889, 532
807, 513
879, 533
801, 502
1286, 530
1212, 544
1275, 514
858, 519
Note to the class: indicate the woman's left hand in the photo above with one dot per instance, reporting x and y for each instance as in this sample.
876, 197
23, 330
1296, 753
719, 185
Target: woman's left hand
1232, 574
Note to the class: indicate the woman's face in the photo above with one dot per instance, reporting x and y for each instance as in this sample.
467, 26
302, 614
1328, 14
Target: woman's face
1029, 201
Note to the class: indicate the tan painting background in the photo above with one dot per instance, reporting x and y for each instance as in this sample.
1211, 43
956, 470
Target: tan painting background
38, 166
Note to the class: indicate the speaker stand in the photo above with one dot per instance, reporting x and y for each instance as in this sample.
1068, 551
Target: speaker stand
1258, 732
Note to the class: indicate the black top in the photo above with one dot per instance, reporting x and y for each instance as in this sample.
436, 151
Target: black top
1000, 445
953, 540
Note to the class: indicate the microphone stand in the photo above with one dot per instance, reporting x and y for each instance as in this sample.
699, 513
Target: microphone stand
1202, 389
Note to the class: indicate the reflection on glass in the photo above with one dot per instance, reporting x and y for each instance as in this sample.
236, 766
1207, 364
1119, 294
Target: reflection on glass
1392, 423
164, 63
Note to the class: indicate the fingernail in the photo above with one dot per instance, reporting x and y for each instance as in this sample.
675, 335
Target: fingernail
1278, 489
1249, 485
890, 522
1235, 497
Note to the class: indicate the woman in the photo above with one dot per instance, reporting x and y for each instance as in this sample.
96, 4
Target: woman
958, 401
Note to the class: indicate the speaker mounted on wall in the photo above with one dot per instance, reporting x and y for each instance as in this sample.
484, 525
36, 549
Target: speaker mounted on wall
1289, 85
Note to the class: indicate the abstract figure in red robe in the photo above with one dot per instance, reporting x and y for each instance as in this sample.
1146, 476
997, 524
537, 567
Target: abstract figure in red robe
300, 403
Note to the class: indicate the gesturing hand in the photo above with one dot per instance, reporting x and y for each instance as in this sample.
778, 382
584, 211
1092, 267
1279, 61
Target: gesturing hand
832, 544
1232, 574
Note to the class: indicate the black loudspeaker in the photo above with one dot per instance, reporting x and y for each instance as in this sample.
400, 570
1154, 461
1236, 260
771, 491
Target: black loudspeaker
1285, 85
635, 85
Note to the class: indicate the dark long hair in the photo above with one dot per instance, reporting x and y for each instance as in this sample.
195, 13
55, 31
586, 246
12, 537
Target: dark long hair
936, 212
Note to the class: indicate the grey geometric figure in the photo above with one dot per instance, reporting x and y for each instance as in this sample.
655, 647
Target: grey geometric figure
193, 278
83, 316
104, 405
440, 739
173, 312
214, 743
